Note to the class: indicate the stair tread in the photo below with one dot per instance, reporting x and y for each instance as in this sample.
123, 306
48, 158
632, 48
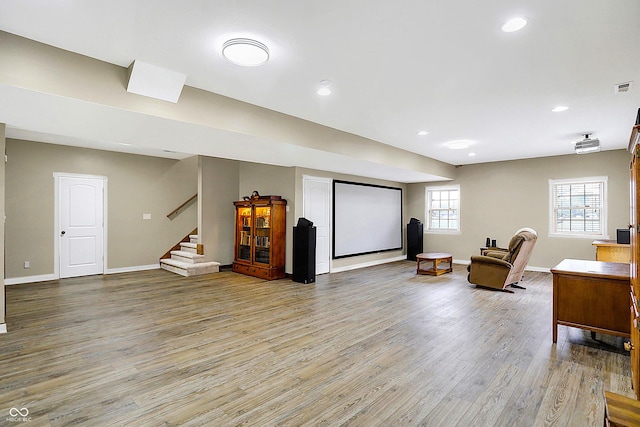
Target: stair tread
189, 245
185, 254
188, 265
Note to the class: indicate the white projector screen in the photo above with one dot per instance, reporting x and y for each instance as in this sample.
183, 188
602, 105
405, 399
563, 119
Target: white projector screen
366, 219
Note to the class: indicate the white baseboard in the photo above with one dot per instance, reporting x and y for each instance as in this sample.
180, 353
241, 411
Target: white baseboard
539, 269
3, 328
30, 279
134, 268
47, 277
368, 264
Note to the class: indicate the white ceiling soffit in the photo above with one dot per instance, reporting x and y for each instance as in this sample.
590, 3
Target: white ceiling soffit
138, 133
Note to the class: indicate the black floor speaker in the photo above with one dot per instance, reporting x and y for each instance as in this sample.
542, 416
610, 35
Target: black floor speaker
414, 239
304, 254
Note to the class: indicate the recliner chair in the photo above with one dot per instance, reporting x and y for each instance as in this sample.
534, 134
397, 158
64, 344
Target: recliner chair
499, 268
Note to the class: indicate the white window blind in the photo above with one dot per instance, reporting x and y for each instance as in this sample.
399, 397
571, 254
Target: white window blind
443, 209
578, 207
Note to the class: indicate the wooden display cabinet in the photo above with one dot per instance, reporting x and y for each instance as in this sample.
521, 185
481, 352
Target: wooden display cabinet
260, 237
634, 232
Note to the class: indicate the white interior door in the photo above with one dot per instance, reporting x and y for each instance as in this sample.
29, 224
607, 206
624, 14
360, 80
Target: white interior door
317, 208
80, 226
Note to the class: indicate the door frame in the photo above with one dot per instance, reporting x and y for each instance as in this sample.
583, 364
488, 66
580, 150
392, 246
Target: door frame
56, 217
328, 182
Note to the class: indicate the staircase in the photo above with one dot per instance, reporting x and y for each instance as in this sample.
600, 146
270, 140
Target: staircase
186, 261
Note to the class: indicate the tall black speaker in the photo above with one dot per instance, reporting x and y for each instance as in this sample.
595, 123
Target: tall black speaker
304, 252
414, 239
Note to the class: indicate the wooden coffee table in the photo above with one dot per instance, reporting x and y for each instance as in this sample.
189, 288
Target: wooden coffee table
434, 258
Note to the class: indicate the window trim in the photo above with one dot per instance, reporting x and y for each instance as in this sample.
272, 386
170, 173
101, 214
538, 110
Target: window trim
603, 212
427, 206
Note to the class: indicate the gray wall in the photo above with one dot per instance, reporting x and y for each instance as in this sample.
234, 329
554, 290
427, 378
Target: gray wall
136, 185
217, 190
499, 198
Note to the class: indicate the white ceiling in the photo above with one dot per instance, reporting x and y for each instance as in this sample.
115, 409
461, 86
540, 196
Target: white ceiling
396, 68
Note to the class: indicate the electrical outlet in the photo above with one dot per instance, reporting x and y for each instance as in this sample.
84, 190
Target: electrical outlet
27, 264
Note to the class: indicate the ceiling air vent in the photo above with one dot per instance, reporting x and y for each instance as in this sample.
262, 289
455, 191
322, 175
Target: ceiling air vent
622, 87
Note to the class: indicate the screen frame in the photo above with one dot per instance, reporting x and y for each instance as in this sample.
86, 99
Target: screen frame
333, 214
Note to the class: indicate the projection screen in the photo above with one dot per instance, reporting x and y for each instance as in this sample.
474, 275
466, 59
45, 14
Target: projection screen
366, 218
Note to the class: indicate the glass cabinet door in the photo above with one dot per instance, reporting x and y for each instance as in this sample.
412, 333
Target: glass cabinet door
244, 234
262, 234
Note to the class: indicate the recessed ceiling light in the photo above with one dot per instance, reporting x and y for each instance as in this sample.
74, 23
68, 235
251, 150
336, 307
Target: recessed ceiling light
459, 145
423, 132
245, 52
471, 154
560, 108
324, 88
514, 24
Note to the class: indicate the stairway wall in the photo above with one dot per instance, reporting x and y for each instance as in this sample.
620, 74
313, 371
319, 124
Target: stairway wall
218, 182
137, 185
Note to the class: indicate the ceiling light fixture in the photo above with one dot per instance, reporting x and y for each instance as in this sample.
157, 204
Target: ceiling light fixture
560, 108
459, 145
423, 132
245, 52
471, 154
324, 88
514, 24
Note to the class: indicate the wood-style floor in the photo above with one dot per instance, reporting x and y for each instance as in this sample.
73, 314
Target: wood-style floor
379, 346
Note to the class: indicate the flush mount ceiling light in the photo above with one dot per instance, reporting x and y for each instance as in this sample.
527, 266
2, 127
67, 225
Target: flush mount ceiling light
324, 88
423, 133
514, 24
560, 108
245, 52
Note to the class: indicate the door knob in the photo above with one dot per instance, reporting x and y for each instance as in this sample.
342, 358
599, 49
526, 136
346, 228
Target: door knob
628, 346
63, 232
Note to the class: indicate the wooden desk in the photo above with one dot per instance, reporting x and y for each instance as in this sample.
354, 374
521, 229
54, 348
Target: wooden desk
620, 411
592, 295
610, 251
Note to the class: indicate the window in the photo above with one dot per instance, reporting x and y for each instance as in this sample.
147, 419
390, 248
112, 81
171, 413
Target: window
578, 207
443, 209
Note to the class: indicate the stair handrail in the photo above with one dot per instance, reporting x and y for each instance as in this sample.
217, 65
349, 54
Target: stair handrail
182, 206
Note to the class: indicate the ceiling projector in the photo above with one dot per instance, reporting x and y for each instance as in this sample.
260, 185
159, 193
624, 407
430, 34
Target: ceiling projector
587, 145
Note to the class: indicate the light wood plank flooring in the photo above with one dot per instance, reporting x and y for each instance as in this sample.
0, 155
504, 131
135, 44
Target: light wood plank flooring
379, 346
